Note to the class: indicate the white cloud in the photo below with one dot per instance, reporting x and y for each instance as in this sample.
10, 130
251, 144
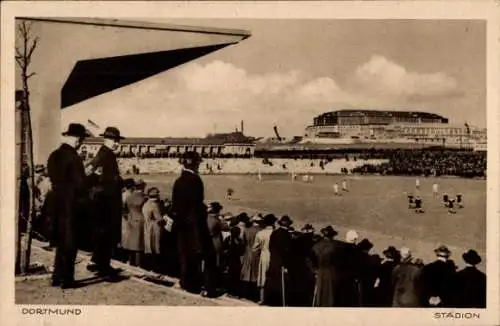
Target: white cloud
190, 100
386, 78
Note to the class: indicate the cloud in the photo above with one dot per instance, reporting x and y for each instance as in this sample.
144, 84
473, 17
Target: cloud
195, 99
386, 78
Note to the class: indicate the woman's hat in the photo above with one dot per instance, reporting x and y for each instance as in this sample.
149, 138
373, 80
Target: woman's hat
442, 251
153, 192
112, 133
215, 207
285, 221
329, 231
365, 244
471, 257
269, 219
351, 236
257, 218
405, 253
308, 228
76, 130
391, 252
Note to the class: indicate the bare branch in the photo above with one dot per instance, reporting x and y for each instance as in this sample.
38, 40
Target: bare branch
18, 52
31, 75
32, 48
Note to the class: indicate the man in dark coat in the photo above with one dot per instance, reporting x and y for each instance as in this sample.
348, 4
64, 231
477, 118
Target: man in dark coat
406, 282
470, 284
369, 266
384, 290
325, 259
107, 203
67, 175
301, 273
437, 278
280, 248
193, 237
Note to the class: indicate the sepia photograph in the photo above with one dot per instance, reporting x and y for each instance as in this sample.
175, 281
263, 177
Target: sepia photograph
252, 162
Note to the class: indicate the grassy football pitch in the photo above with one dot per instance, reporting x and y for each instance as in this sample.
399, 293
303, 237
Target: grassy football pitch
376, 206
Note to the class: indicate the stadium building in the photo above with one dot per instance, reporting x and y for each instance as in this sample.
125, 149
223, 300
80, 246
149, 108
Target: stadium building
351, 126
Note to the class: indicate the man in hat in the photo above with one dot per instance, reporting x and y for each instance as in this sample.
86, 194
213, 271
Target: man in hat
324, 259
280, 248
470, 283
107, 202
406, 282
437, 278
383, 291
67, 176
368, 267
250, 260
190, 216
215, 228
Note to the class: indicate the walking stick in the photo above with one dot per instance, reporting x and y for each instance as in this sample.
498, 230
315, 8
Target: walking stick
283, 286
315, 293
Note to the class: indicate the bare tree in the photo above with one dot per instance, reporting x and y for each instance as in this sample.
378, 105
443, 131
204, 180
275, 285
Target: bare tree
24, 52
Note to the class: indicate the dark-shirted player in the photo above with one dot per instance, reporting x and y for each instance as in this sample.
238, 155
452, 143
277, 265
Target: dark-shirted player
446, 198
459, 201
418, 205
410, 201
451, 208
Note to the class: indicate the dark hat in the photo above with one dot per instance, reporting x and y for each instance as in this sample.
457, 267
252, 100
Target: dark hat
190, 158
128, 183
112, 133
153, 192
76, 130
269, 219
308, 228
391, 252
285, 221
140, 184
442, 251
471, 257
243, 217
39, 168
365, 244
329, 231
215, 207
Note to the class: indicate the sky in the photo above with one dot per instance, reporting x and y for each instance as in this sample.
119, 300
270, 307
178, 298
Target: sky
289, 71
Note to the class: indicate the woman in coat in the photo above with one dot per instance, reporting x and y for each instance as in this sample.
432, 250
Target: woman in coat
250, 261
133, 236
153, 223
261, 249
324, 254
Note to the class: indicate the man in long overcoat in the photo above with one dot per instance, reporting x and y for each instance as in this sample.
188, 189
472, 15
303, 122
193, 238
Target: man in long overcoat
301, 273
106, 202
325, 254
406, 282
190, 222
470, 283
437, 278
280, 248
67, 175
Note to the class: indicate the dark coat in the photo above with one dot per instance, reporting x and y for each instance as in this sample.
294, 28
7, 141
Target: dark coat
369, 267
469, 288
325, 256
301, 272
280, 249
406, 285
133, 237
190, 215
69, 196
107, 195
385, 291
349, 266
250, 261
437, 278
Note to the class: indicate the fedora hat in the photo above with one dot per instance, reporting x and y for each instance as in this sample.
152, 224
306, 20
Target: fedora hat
140, 184
76, 130
329, 231
442, 251
243, 217
128, 183
365, 244
391, 252
190, 157
285, 221
215, 207
269, 219
39, 168
471, 257
153, 192
308, 228
112, 133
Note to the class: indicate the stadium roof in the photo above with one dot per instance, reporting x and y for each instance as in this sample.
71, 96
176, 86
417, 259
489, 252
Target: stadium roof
383, 113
